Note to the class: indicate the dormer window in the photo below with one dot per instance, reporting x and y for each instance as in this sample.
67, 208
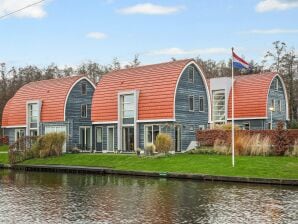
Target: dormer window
191, 75
84, 88
33, 118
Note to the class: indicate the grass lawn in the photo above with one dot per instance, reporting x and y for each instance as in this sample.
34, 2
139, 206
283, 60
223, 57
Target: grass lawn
3, 158
4, 148
246, 166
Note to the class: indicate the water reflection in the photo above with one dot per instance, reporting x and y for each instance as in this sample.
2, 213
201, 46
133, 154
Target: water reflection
72, 198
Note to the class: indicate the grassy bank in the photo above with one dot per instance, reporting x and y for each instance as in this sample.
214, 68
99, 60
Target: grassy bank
246, 166
3, 158
3, 148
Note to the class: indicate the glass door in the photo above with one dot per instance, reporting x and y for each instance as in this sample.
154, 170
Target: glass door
99, 139
178, 138
85, 138
128, 139
110, 139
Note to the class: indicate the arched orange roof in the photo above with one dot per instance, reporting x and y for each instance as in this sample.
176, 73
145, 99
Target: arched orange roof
250, 96
52, 93
156, 85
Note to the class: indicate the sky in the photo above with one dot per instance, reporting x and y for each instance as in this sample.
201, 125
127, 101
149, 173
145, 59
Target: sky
70, 32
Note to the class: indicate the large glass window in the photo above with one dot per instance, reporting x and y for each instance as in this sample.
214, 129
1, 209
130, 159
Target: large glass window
219, 111
151, 132
128, 106
33, 118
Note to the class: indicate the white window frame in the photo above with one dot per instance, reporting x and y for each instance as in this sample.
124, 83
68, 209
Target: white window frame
273, 105
85, 127
18, 130
243, 125
29, 129
84, 84
108, 137
191, 73
193, 103
86, 107
213, 107
276, 85
146, 134
279, 105
201, 98
124, 103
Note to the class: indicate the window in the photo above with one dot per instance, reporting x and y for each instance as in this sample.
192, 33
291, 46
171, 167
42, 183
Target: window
246, 126
202, 127
151, 132
84, 88
219, 101
191, 75
276, 85
273, 104
191, 103
201, 103
84, 109
279, 105
33, 118
128, 106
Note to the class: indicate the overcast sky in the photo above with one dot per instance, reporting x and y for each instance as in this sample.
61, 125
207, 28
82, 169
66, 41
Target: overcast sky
69, 32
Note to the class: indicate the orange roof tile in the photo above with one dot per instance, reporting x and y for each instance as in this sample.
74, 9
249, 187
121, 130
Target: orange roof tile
51, 92
156, 85
250, 95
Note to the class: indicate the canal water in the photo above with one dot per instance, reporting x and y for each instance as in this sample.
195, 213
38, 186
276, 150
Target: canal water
33, 197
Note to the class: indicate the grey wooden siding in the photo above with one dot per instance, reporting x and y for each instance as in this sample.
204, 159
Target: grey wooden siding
277, 95
184, 117
73, 111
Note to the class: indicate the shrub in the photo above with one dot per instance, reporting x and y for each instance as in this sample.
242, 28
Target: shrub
295, 148
293, 124
150, 149
201, 150
227, 126
49, 145
221, 147
164, 143
281, 142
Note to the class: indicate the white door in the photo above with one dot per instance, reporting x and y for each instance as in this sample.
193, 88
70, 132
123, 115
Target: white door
57, 129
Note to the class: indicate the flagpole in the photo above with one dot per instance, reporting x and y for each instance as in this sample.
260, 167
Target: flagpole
233, 127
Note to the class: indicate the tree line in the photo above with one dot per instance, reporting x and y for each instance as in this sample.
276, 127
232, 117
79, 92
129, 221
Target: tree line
280, 58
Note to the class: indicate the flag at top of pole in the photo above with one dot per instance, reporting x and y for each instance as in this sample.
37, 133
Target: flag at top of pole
237, 62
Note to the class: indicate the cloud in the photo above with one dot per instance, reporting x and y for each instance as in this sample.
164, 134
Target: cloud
97, 35
179, 51
271, 5
36, 11
150, 9
271, 31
